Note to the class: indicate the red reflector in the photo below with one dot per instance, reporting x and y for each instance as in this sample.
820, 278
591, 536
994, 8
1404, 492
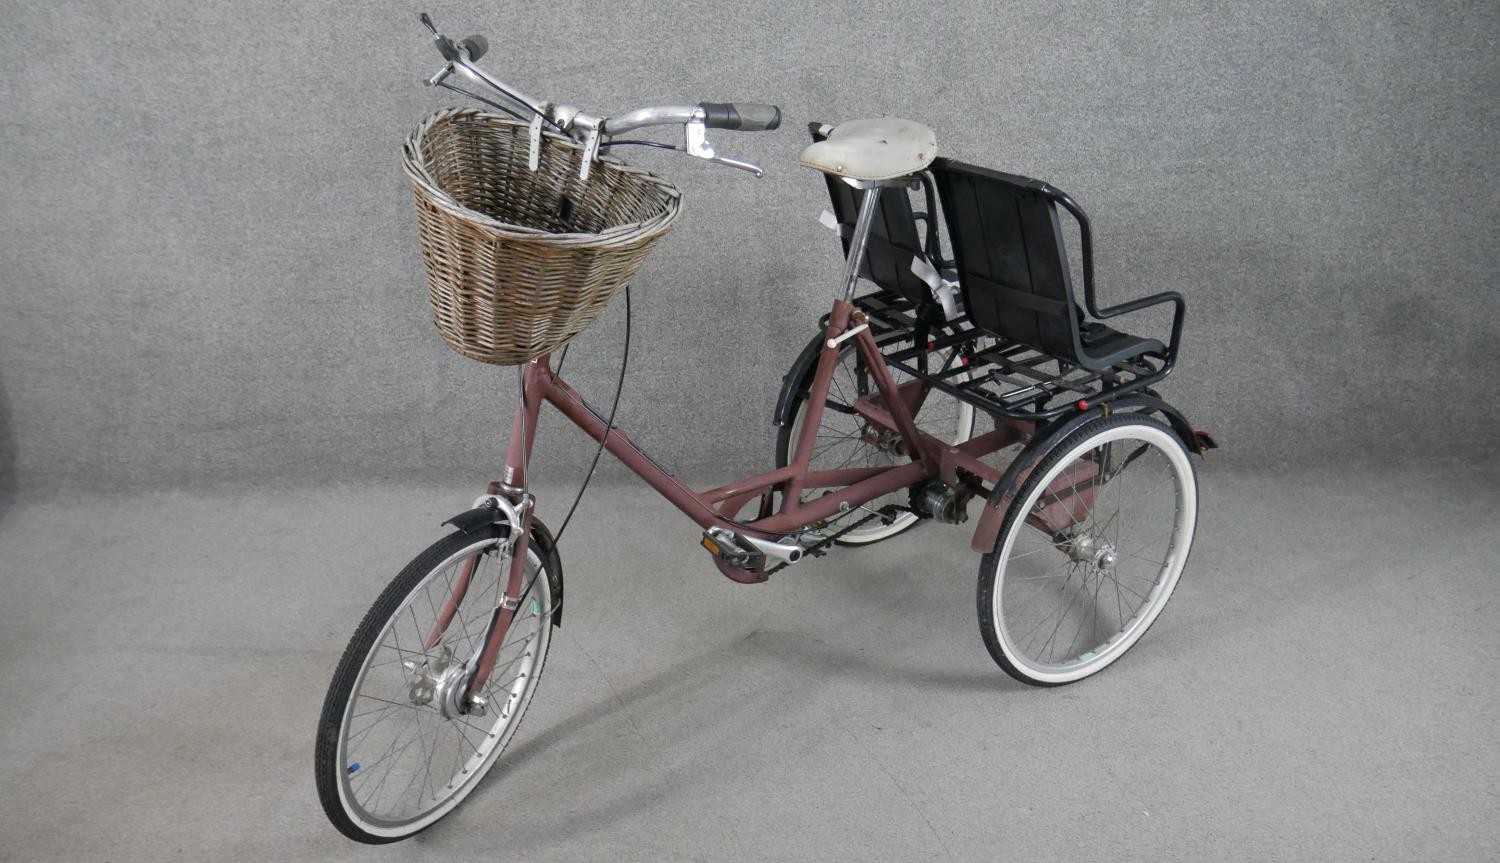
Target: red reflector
964, 360
1083, 405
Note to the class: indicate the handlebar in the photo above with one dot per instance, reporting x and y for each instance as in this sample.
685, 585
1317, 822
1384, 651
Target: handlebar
590, 129
741, 116
476, 45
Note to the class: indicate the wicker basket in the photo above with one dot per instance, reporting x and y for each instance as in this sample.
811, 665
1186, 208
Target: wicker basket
520, 261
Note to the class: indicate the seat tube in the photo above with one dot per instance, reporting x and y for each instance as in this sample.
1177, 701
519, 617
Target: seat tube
860, 239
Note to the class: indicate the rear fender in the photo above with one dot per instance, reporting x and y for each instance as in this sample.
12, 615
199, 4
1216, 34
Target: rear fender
794, 385
992, 518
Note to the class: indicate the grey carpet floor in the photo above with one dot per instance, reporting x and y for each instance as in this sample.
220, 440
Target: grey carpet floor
1322, 687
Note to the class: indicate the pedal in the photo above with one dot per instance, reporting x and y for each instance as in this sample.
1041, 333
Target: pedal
723, 545
748, 552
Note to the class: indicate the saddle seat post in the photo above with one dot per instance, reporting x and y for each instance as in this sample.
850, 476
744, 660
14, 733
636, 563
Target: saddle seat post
862, 226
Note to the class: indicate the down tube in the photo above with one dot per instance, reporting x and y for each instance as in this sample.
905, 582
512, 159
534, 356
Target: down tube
572, 405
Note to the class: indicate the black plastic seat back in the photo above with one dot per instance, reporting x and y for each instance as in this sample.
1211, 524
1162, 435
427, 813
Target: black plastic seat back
1012, 263
894, 239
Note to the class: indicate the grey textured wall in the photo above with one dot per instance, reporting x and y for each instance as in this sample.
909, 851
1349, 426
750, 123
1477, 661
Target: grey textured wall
209, 269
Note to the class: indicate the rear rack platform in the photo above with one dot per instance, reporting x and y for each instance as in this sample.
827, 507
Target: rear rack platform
1002, 378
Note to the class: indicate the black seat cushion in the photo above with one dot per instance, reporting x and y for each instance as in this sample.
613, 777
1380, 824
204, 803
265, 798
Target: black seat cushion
1108, 346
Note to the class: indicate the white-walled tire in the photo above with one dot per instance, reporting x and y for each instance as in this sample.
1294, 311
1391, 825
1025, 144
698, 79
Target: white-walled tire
388, 765
1054, 609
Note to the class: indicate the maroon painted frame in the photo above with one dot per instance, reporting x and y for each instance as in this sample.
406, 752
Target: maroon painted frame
891, 409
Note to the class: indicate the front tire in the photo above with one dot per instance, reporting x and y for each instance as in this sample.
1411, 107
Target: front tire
388, 764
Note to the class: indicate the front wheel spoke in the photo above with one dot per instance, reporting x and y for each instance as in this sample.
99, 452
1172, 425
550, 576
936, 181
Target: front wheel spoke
504, 665
464, 737
483, 732
401, 654
368, 769
458, 765
414, 774
385, 713
416, 626
493, 688
529, 637
379, 791
388, 701
427, 756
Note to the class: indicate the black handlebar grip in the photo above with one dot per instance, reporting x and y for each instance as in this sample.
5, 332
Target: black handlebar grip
741, 116
476, 45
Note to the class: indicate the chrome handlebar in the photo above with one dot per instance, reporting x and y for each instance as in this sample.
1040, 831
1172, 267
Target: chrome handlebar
589, 129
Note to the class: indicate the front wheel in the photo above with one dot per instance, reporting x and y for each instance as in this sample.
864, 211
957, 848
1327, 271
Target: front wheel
392, 755
1090, 551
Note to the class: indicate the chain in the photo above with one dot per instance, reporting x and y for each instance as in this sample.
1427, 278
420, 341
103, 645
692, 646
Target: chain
887, 513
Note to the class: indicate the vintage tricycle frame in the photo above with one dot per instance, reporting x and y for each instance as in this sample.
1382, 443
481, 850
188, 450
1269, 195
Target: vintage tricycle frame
776, 531
891, 409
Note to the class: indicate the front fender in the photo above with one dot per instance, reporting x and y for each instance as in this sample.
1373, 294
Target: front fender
541, 538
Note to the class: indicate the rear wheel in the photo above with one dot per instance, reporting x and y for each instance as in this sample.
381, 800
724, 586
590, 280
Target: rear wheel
1090, 551
844, 439
393, 755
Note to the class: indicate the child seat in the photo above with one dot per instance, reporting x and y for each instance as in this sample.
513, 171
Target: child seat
1014, 274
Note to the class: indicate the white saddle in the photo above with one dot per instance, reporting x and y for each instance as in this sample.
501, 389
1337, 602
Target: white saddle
880, 149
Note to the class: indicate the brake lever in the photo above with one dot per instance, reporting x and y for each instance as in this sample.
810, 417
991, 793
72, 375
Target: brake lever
697, 145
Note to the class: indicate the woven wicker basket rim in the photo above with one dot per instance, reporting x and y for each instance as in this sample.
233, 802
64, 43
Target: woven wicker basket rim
419, 174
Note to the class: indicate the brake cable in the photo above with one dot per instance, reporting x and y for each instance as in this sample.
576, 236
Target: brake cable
609, 424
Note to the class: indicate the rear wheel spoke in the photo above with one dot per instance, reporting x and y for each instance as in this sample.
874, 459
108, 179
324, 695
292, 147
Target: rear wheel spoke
845, 440
1048, 626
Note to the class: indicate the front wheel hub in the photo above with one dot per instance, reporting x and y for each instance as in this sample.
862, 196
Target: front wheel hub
440, 681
